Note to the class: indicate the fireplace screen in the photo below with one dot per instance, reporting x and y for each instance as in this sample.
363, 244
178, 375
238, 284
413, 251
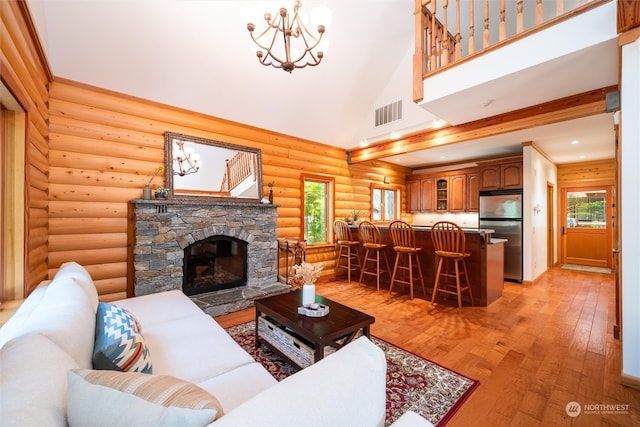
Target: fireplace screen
213, 264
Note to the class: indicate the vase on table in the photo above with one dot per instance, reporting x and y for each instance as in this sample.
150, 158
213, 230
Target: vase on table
308, 294
271, 196
146, 193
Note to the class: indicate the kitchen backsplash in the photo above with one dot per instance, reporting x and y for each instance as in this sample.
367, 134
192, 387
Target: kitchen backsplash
463, 219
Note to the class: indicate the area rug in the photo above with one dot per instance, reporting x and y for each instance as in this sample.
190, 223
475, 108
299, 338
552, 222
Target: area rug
413, 383
586, 268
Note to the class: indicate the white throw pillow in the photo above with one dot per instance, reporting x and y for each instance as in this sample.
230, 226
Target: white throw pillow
108, 398
33, 382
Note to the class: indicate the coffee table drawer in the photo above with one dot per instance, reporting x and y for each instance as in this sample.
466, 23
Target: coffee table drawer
288, 343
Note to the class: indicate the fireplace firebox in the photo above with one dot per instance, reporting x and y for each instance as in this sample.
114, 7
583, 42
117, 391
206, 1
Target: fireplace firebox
213, 264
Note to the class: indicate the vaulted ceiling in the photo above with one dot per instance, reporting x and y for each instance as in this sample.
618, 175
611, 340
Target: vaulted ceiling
197, 55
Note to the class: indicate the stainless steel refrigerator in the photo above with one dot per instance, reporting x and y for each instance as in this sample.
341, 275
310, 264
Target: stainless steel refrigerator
501, 210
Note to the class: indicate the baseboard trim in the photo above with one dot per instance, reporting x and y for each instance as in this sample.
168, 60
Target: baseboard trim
630, 381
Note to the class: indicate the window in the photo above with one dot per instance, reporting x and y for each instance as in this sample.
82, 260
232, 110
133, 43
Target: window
317, 202
586, 209
385, 203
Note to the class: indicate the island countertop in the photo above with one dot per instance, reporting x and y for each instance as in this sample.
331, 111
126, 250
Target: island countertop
485, 265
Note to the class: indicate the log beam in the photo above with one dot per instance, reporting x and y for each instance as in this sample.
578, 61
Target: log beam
568, 108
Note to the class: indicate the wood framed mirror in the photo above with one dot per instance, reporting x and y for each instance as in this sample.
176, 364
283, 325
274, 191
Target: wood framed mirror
199, 167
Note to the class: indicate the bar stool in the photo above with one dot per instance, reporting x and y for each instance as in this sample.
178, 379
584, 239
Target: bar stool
372, 242
347, 248
449, 244
404, 243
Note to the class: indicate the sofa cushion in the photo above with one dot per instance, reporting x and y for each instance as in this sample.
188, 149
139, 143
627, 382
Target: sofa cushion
119, 344
66, 315
72, 271
324, 394
130, 398
193, 349
161, 307
13, 327
33, 389
239, 385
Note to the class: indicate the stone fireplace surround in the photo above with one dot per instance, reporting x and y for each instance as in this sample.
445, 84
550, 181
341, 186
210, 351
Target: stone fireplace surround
161, 229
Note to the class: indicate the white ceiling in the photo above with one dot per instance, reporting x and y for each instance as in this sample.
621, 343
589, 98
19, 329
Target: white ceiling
196, 54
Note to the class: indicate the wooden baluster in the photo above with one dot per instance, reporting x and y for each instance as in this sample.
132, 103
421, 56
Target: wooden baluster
419, 57
456, 50
485, 33
502, 28
433, 37
444, 55
559, 7
519, 18
472, 29
539, 12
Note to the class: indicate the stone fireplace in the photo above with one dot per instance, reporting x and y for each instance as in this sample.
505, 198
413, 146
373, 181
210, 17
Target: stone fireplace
222, 254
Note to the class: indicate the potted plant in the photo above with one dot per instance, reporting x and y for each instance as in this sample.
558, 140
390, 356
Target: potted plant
161, 192
355, 214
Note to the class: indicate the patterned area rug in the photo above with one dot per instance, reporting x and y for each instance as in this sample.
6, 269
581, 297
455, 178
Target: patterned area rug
413, 383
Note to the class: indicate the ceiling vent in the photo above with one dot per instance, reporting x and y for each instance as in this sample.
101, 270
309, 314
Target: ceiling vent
389, 113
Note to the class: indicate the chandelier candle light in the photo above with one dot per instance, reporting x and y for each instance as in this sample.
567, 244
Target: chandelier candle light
301, 47
186, 160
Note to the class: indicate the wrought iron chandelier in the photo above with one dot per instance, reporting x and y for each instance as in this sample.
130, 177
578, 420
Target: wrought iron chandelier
187, 161
301, 47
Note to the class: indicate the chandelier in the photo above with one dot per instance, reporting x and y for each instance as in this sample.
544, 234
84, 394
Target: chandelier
301, 47
186, 160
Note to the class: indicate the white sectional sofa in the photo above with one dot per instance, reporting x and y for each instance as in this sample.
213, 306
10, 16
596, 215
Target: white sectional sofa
48, 345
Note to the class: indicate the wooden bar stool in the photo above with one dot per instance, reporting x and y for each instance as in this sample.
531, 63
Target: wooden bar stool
372, 242
347, 248
404, 243
449, 244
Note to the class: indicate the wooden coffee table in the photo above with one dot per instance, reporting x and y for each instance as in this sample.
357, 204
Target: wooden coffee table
303, 340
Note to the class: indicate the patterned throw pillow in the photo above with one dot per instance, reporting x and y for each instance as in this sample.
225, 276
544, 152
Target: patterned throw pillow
119, 344
108, 398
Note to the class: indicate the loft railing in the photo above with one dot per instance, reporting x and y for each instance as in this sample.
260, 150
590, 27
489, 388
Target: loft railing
448, 32
239, 168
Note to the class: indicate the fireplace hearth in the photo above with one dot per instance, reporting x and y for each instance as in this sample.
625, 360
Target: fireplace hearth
222, 254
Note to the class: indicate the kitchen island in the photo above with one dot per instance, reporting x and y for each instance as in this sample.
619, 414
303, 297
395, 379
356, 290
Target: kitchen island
485, 265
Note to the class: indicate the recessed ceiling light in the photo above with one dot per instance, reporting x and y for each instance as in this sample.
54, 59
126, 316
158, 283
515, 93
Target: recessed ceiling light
443, 157
574, 142
364, 143
583, 156
398, 159
395, 135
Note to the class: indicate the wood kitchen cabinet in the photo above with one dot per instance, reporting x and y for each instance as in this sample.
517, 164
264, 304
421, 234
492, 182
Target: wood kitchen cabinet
442, 194
422, 195
501, 176
458, 193
473, 192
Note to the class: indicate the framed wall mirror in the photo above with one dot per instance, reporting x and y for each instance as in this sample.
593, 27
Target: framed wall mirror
198, 167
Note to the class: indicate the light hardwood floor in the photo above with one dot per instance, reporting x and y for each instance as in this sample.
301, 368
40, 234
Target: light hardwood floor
535, 350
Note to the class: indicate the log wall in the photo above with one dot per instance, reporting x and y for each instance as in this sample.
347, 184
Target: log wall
25, 74
597, 172
105, 146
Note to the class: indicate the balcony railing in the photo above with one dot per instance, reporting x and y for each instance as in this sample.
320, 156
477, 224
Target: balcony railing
448, 32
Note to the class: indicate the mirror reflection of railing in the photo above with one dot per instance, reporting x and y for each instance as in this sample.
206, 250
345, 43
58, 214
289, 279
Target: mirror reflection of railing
240, 171
499, 21
226, 171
